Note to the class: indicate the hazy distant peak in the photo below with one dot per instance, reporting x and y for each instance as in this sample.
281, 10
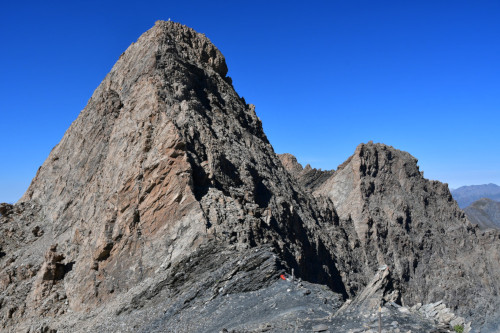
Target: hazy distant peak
466, 195
485, 213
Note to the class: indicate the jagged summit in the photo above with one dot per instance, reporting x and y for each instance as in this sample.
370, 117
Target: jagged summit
162, 136
165, 193
376, 169
307, 177
166, 159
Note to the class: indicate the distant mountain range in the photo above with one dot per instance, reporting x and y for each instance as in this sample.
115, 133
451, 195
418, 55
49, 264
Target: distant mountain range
466, 195
485, 213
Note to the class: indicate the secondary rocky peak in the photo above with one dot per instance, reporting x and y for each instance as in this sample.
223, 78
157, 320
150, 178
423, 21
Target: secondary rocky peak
291, 164
378, 170
398, 214
370, 158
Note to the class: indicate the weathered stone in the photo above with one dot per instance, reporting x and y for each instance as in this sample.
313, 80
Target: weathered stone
5, 209
320, 328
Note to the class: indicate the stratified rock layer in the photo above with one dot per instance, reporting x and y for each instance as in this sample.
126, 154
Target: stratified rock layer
165, 194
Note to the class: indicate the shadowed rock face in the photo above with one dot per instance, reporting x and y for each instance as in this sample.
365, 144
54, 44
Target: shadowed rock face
165, 191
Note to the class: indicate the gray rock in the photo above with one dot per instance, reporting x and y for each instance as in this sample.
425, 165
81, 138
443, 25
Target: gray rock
320, 328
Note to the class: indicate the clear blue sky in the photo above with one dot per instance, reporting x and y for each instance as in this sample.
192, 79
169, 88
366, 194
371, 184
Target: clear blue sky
422, 76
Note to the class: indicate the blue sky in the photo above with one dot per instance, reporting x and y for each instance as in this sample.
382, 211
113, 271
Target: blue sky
422, 76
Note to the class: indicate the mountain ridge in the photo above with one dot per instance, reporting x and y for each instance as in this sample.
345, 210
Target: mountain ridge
485, 213
166, 192
466, 195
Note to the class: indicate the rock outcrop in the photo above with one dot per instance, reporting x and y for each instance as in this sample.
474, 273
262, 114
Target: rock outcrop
164, 198
380, 299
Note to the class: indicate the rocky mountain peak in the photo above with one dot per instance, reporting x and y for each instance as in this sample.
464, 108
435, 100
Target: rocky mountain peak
165, 194
166, 159
138, 177
397, 214
371, 158
375, 170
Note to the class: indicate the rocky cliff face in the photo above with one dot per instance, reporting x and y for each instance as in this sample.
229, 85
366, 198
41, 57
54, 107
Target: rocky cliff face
165, 193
